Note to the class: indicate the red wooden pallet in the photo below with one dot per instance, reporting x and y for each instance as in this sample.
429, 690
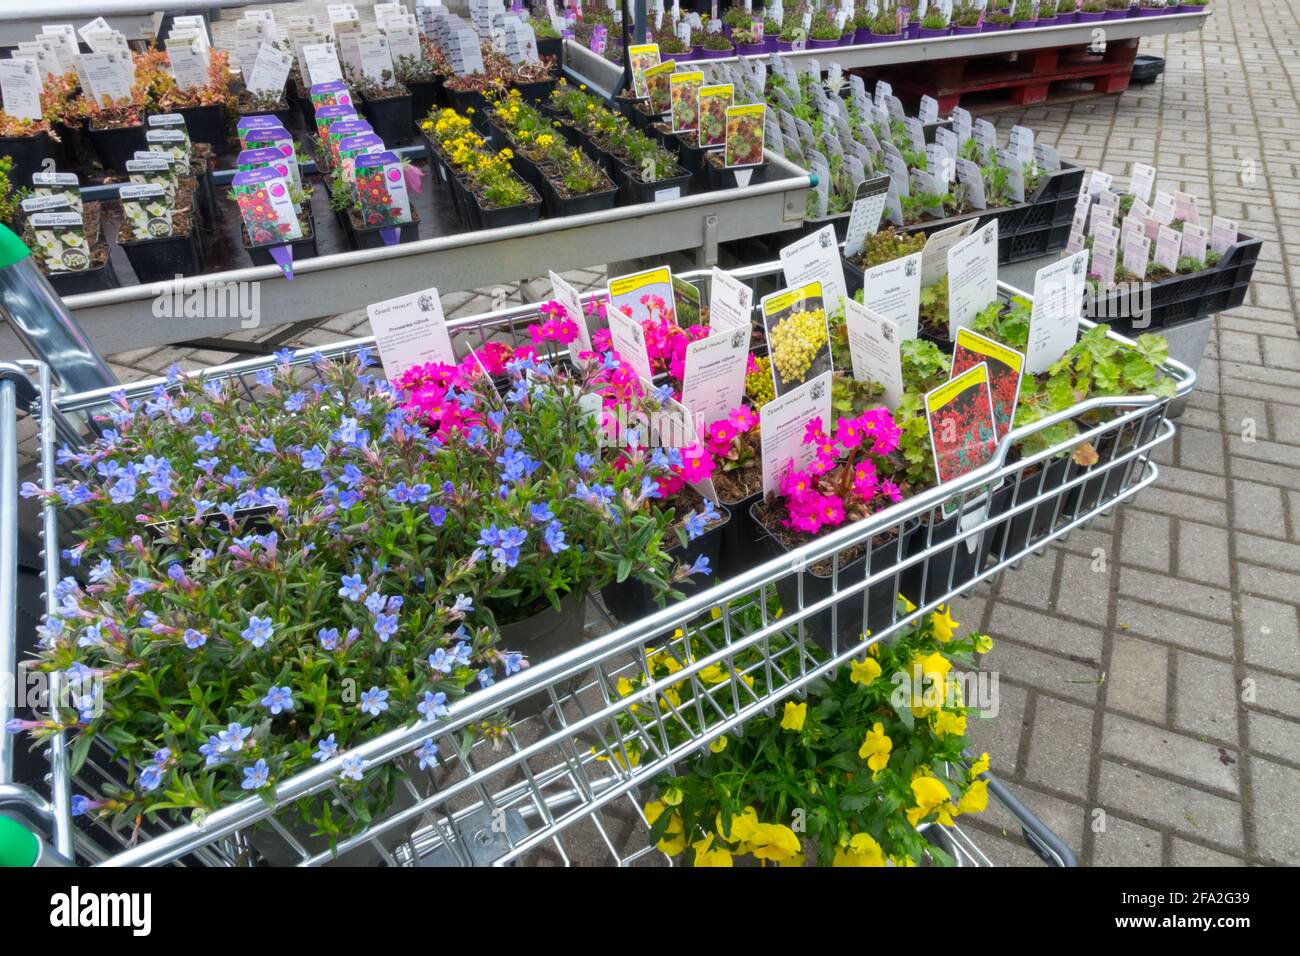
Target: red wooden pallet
1025, 78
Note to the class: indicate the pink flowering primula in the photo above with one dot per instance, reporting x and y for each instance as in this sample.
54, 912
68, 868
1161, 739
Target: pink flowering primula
843, 481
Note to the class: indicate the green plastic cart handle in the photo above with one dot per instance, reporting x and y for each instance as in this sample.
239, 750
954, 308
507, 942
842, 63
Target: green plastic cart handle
12, 249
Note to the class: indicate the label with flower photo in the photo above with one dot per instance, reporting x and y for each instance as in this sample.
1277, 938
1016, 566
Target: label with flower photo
350, 149
644, 296
327, 116
146, 210
659, 85
1005, 366
157, 170
381, 189
745, 135
963, 434
685, 94
280, 139
798, 337
642, 56
266, 206
61, 241
59, 184
330, 93
714, 103
173, 142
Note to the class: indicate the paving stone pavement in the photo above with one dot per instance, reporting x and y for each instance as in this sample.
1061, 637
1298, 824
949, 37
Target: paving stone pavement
1149, 667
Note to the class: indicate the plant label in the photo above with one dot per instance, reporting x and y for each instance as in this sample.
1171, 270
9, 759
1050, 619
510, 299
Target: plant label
628, 339
1011, 164
947, 139
189, 63
1223, 234
714, 380
1141, 181
266, 205
1005, 366
270, 70
963, 434
892, 290
376, 60
1075, 242
1054, 319
1194, 242
410, 330
1020, 141
1137, 253
986, 137
60, 239
961, 123
381, 189
934, 256
321, 64
731, 302
1187, 208
641, 57
874, 348
928, 110
970, 176
658, 85
816, 258
1169, 244
783, 422
972, 276
1047, 158
714, 102
684, 95
20, 86
798, 335
1163, 209
864, 220
1098, 183
568, 297
147, 211
1103, 263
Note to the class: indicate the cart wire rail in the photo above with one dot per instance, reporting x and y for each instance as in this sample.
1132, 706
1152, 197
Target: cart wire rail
565, 785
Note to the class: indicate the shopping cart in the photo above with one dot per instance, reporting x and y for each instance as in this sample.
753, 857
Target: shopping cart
567, 782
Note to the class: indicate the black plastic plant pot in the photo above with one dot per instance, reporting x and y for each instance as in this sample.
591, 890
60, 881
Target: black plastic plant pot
633, 190
1181, 298
371, 237
868, 610
115, 146
550, 46
542, 636
424, 96
207, 124
28, 154
391, 118
557, 205
162, 259
304, 248
951, 568
1030, 527
690, 153
1110, 481
307, 110
499, 218
721, 177
738, 553
632, 600
207, 197
537, 91
88, 280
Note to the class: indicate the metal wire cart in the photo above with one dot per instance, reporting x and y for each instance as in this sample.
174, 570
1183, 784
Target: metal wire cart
566, 784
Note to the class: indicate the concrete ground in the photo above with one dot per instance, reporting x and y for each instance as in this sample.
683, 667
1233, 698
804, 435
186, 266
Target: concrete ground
1149, 667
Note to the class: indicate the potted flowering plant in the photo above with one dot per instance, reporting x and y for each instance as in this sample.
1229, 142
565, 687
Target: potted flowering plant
263, 590
545, 515
1091, 10
206, 108
966, 18
735, 445
716, 46
26, 143
273, 102
850, 478
872, 773
885, 25
422, 77
748, 42
934, 24
1118, 9
996, 21
116, 131
1023, 15
386, 102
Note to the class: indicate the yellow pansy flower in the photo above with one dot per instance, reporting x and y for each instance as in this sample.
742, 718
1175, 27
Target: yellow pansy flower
739, 828
794, 716
944, 625
672, 796
714, 674
624, 687
719, 745
862, 850
864, 672
979, 766
674, 838
706, 854
983, 643
774, 841
949, 722
975, 799
931, 795
670, 698
908, 606
936, 665
876, 748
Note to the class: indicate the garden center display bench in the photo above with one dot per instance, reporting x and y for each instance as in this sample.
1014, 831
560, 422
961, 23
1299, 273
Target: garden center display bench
567, 782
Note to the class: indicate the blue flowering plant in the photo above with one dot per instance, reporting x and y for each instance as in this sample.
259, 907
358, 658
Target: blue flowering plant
260, 584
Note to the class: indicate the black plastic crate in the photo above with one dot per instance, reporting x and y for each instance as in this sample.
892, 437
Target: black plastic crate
1184, 298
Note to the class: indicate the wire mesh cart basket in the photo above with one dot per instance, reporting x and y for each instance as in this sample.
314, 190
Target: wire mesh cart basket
567, 782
